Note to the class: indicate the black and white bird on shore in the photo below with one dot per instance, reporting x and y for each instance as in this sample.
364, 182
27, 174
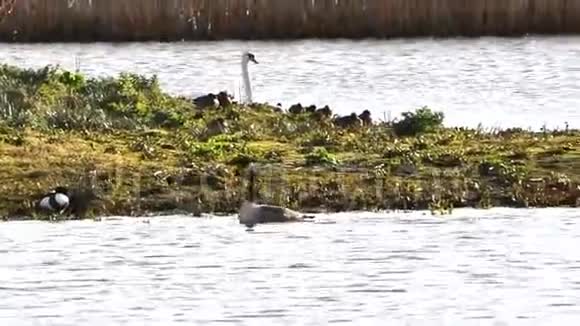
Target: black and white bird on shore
56, 201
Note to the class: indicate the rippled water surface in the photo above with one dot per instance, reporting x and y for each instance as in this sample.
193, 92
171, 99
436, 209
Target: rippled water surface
500, 267
525, 82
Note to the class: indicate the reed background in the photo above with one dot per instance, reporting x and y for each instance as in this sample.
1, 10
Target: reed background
169, 20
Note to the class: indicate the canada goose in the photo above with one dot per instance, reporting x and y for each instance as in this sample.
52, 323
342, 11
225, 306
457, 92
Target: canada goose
61, 200
207, 101
224, 99
215, 127
323, 113
55, 201
348, 121
365, 117
296, 109
252, 213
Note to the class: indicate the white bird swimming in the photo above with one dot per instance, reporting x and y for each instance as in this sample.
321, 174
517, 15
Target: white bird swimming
246, 58
252, 213
212, 100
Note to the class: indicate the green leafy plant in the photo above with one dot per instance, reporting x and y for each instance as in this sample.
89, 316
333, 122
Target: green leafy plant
423, 120
320, 156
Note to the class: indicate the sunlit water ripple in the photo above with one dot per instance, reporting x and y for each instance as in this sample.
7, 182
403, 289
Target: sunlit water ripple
525, 82
499, 266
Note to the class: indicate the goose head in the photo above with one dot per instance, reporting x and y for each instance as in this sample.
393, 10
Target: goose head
61, 190
252, 171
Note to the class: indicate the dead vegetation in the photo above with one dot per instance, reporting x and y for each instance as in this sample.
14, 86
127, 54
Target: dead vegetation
173, 20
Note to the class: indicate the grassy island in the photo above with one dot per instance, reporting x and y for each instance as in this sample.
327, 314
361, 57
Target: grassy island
143, 151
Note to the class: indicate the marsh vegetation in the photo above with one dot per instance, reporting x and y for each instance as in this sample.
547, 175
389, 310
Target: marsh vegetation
145, 151
175, 20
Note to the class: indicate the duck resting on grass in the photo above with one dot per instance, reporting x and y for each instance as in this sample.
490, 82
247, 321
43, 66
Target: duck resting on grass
221, 100
207, 101
252, 213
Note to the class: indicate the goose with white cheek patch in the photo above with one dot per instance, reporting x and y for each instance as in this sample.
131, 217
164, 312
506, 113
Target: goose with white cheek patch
252, 213
56, 201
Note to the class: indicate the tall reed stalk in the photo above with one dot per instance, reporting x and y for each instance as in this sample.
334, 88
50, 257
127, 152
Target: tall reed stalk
164, 20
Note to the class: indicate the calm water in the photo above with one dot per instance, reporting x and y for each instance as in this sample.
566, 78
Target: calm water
499, 82
497, 267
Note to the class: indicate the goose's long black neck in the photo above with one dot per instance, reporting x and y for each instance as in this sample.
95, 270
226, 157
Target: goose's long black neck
251, 188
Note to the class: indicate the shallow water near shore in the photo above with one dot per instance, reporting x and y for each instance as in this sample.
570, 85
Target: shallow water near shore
499, 82
510, 266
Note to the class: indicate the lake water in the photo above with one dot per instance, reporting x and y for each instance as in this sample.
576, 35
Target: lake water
490, 267
523, 82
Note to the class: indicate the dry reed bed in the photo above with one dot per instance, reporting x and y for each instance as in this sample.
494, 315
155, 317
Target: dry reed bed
132, 20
